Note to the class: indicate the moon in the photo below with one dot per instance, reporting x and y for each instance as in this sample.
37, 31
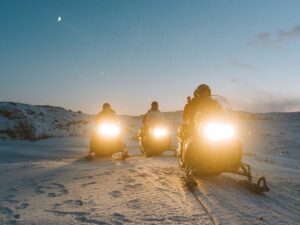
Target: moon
59, 19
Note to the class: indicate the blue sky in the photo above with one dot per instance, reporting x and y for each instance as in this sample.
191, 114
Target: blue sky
132, 52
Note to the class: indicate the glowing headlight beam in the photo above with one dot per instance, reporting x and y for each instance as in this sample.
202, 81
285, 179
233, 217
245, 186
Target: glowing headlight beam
109, 130
228, 132
216, 132
160, 132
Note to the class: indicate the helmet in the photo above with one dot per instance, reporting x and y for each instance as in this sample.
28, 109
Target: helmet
154, 105
202, 90
188, 99
106, 106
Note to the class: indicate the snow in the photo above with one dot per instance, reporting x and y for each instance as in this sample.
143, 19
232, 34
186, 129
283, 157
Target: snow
23, 121
49, 182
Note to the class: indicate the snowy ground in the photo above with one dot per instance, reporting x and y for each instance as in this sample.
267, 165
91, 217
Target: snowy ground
48, 182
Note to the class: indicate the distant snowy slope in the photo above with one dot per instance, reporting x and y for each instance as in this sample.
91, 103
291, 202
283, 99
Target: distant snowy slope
23, 121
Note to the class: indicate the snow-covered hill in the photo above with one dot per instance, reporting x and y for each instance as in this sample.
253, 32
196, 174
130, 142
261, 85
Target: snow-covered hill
23, 121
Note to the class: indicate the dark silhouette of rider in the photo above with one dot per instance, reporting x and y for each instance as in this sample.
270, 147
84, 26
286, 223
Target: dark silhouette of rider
152, 116
201, 104
106, 114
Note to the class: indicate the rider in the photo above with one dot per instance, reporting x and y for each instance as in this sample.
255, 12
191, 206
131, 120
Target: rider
202, 103
107, 113
152, 116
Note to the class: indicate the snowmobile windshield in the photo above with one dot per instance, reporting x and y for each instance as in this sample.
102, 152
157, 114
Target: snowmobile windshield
223, 102
214, 119
216, 108
154, 118
157, 126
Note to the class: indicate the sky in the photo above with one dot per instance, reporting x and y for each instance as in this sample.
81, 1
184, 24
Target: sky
80, 54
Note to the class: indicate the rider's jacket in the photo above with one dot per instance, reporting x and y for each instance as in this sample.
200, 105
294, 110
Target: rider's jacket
204, 107
106, 115
152, 117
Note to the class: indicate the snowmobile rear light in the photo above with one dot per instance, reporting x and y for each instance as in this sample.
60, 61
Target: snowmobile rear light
218, 131
109, 129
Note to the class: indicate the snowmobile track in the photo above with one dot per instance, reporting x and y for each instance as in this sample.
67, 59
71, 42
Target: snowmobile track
193, 192
205, 208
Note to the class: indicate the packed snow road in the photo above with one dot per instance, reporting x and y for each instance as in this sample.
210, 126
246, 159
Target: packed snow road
49, 182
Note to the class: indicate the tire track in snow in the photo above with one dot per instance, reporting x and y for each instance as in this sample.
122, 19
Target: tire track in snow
193, 194
232, 204
204, 206
160, 176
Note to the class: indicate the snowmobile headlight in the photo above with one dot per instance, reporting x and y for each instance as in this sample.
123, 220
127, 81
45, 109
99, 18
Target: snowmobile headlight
159, 132
217, 132
109, 130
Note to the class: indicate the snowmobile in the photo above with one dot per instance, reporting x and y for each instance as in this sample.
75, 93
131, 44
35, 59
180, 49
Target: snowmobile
214, 148
106, 141
155, 140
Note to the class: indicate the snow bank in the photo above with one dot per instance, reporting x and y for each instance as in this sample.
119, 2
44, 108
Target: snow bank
23, 121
